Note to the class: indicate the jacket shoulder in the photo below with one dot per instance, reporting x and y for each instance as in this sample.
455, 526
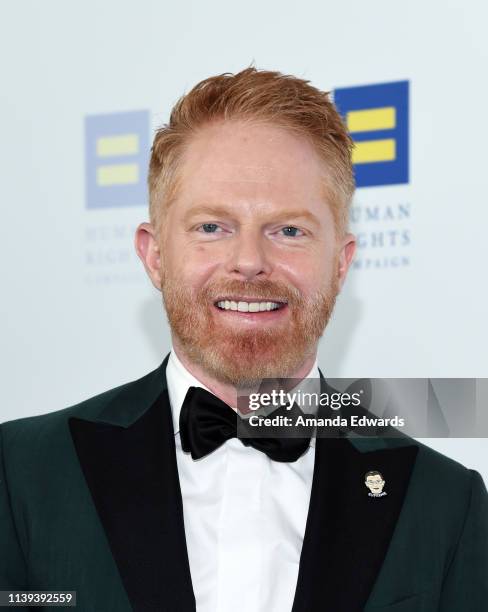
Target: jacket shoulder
443, 485
430, 459
441, 466
31, 429
446, 486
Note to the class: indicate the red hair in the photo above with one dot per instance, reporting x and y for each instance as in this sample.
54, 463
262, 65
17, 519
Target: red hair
263, 96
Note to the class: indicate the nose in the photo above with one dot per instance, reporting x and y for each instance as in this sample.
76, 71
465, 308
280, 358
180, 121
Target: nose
248, 257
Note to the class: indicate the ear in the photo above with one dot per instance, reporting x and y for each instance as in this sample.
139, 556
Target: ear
346, 254
148, 250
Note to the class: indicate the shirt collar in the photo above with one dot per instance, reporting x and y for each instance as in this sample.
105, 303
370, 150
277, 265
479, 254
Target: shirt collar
179, 379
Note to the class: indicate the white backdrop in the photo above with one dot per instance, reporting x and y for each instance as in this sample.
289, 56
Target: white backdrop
78, 315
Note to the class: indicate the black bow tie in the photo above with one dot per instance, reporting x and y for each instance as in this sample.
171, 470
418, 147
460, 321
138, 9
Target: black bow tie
206, 422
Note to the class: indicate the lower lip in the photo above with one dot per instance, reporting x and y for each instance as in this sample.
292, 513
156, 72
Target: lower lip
264, 316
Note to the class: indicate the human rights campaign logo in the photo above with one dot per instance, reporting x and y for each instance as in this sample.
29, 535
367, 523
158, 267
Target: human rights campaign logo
376, 116
117, 156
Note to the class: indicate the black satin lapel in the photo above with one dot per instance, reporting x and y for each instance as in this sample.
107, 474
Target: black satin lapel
348, 533
133, 479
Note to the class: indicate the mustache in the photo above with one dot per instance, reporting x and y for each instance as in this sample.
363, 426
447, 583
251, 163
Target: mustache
260, 290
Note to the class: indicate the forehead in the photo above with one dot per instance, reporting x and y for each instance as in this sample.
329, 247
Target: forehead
252, 160
374, 478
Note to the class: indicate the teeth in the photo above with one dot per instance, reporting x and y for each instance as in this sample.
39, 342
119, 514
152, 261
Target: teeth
247, 306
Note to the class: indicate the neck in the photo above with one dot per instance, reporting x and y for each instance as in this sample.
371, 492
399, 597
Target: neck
225, 391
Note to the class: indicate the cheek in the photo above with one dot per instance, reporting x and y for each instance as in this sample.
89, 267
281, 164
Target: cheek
195, 266
310, 270
188, 261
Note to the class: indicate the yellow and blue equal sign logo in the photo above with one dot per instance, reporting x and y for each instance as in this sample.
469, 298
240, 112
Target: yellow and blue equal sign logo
116, 156
377, 118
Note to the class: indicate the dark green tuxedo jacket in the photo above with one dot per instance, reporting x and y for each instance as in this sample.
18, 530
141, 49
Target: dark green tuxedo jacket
90, 501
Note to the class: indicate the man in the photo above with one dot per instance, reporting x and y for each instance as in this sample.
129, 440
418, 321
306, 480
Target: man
142, 498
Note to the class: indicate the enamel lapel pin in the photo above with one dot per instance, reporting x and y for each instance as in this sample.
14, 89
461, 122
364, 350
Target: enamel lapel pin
375, 482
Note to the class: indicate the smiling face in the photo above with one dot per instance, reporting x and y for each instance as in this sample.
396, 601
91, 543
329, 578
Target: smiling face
250, 263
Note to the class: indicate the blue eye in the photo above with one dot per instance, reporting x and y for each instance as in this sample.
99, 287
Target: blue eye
290, 231
209, 228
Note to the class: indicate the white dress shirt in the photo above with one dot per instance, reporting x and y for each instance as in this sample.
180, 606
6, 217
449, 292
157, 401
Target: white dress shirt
244, 515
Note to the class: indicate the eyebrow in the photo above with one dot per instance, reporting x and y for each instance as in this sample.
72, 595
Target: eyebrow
221, 211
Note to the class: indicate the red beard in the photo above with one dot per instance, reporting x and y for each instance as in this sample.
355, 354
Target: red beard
239, 356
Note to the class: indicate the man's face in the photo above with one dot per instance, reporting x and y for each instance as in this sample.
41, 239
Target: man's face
250, 262
375, 483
